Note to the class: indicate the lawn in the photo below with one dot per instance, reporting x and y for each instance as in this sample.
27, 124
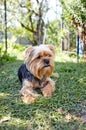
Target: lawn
65, 110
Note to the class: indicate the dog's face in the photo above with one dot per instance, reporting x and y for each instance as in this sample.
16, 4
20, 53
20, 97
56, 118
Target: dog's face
40, 60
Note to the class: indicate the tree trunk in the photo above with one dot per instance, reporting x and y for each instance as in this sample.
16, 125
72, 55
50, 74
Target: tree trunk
5, 20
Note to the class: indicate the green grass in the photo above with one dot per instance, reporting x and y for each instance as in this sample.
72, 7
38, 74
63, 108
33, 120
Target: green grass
63, 111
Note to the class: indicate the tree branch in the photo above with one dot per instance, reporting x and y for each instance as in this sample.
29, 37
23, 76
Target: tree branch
28, 28
31, 22
37, 1
29, 9
32, 11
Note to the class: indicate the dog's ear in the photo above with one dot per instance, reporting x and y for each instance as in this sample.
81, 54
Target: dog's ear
27, 52
52, 48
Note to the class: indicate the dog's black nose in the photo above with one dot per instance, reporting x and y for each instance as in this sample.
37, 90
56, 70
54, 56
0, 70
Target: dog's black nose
46, 62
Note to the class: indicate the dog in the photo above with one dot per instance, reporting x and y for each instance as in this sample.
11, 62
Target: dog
36, 71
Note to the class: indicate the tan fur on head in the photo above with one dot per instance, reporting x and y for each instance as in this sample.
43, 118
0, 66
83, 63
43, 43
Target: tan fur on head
52, 48
35, 60
27, 52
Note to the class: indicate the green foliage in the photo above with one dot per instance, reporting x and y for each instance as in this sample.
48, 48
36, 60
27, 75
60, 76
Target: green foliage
53, 33
74, 9
5, 57
19, 31
12, 54
31, 16
72, 35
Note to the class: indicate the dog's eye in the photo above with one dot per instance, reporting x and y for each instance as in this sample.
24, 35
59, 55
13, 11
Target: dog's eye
38, 57
49, 55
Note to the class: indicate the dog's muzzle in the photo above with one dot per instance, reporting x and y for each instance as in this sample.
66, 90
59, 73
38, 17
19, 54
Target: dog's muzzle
46, 63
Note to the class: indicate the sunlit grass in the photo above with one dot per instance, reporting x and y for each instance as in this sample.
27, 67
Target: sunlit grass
4, 95
65, 57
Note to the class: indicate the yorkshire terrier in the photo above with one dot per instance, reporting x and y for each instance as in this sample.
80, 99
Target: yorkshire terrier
36, 71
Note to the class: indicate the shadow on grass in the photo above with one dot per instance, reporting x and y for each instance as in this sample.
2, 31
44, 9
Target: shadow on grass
51, 113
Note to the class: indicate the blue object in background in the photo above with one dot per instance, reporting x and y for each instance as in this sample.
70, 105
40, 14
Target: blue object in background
80, 47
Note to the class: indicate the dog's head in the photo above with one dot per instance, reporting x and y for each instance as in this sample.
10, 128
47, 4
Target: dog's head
40, 60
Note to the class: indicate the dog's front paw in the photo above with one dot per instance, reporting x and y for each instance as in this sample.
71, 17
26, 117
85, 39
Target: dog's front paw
48, 89
28, 99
